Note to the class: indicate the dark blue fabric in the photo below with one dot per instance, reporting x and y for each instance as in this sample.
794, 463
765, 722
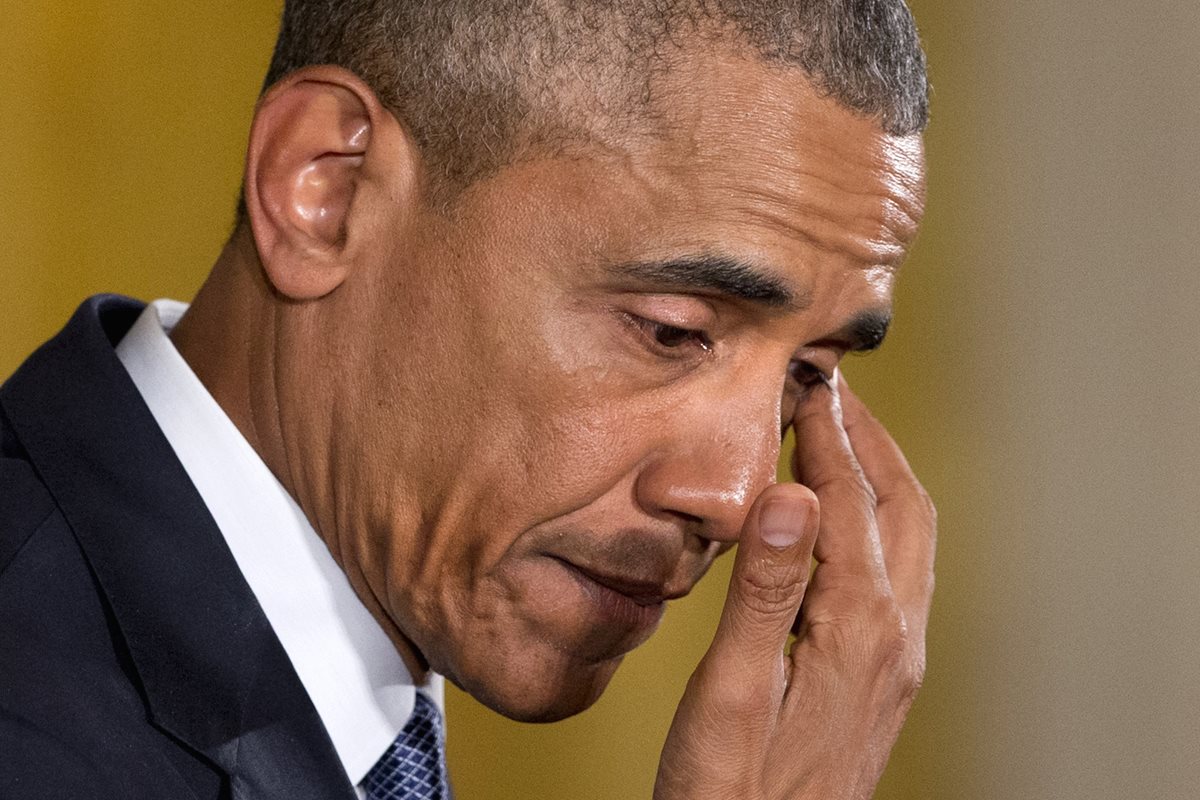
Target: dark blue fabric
134, 660
414, 767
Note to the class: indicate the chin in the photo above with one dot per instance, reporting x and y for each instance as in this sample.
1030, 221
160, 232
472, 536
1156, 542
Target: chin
548, 692
543, 641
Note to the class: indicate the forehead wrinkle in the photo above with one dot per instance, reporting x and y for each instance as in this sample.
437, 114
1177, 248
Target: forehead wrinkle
872, 241
776, 153
880, 186
866, 203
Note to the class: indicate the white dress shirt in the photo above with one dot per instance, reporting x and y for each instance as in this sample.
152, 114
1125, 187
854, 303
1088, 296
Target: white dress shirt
357, 681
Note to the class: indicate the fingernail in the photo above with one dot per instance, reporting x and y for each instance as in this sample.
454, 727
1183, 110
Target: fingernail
781, 522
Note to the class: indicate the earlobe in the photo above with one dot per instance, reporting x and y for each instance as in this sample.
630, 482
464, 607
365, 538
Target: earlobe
310, 138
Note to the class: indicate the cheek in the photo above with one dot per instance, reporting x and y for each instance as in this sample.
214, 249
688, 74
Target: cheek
551, 454
559, 425
481, 555
551, 444
558, 421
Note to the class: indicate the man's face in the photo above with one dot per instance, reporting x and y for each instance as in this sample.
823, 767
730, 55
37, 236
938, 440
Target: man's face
554, 407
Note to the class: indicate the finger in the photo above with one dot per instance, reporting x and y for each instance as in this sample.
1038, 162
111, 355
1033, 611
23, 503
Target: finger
770, 573
904, 512
848, 540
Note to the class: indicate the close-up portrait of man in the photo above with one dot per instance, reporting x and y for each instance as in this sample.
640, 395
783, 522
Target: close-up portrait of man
521, 299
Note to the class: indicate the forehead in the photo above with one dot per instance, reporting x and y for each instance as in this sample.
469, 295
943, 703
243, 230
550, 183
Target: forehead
732, 159
752, 147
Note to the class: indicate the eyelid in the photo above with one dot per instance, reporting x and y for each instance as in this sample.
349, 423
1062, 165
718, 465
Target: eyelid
646, 327
677, 311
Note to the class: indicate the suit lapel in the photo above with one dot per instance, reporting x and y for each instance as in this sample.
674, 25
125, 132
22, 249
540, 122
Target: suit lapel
213, 671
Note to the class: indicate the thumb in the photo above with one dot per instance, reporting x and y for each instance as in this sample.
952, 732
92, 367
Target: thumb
770, 574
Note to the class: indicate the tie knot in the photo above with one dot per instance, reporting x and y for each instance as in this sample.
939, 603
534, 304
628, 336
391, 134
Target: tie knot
425, 715
414, 766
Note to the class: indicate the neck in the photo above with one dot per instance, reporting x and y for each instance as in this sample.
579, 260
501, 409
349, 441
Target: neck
229, 338
225, 338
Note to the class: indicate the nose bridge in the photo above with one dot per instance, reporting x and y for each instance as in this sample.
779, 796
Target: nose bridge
716, 455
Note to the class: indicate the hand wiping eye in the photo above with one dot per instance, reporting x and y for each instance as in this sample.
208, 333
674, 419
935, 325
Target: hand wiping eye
807, 374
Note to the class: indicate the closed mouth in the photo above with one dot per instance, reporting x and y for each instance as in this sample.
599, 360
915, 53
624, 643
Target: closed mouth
641, 592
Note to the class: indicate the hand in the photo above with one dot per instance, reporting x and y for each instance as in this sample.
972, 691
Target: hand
820, 721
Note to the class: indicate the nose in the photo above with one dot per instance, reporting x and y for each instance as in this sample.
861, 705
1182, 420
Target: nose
714, 458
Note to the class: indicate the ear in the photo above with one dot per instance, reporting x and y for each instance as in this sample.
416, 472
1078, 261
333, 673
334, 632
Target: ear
313, 148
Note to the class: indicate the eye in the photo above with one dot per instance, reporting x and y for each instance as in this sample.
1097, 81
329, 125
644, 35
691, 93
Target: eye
671, 337
807, 374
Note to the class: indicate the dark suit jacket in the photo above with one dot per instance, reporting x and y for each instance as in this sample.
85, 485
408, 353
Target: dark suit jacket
134, 660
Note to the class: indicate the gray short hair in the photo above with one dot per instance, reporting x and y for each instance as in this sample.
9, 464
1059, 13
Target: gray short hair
478, 81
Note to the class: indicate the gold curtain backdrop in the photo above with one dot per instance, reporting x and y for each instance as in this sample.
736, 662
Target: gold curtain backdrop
1041, 374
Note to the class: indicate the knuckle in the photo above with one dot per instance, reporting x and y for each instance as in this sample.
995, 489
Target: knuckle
926, 504
909, 495
769, 590
914, 675
848, 633
728, 691
890, 656
840, 638
819, 679
891, 630
737, 694
846, 484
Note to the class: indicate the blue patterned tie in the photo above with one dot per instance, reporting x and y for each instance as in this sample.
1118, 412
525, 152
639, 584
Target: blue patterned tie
414, 767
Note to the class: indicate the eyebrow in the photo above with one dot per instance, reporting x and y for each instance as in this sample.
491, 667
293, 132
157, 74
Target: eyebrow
743, 280
723, 275
865, 332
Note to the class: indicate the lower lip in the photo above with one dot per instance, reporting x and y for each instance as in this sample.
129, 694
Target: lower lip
613, 606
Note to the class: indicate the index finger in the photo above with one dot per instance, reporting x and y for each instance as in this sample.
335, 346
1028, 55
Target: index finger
848, 540
905, 514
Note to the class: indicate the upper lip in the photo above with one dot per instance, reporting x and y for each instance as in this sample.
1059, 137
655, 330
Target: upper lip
642, 592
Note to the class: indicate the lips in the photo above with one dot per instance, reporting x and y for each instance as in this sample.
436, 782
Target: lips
643, 593
632, 601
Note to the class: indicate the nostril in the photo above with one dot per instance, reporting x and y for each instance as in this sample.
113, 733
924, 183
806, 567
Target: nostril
692, 525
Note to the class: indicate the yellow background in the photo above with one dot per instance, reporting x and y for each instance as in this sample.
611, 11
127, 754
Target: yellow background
1034, 321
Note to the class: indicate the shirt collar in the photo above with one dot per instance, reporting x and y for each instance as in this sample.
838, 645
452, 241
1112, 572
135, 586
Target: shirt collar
354, 676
